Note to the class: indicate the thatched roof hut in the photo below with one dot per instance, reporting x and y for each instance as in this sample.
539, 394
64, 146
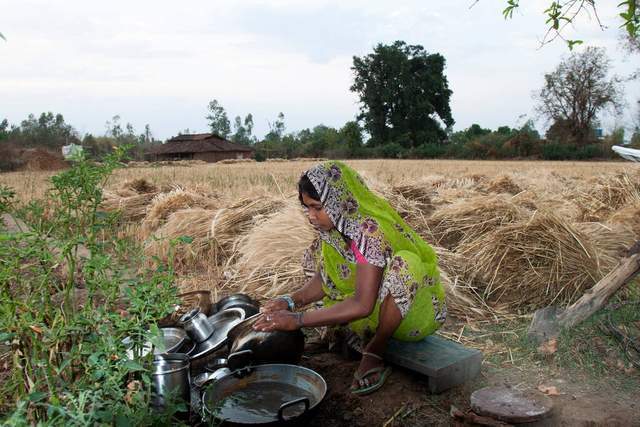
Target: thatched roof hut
201, 146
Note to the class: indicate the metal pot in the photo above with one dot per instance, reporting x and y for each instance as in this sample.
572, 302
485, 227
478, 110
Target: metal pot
266, 347
171, 379
196, 325
264, 394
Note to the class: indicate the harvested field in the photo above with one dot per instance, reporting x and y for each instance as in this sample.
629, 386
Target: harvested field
511, 236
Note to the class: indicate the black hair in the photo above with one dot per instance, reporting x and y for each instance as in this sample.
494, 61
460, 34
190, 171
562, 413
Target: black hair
306, 186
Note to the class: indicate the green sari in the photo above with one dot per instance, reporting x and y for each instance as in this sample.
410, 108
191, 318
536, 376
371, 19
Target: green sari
410, 265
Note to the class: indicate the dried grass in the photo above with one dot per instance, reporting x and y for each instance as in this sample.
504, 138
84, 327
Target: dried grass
534, 263
233, 161
132, 208
466, 220
138, 186
610, 240
503, 184
164, 204
629, 217
268, 258
609, 194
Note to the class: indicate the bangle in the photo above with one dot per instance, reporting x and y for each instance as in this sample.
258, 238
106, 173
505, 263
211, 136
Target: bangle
290, 303
299, 319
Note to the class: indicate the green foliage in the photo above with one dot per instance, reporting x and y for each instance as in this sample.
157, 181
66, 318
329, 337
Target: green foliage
242, 131
69, 366
218, 120
48, 130
403, 92
560, 14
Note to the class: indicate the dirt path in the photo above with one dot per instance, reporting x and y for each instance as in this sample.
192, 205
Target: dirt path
406, 395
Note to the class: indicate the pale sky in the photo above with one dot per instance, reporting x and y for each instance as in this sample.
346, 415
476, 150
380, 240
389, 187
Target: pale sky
161, 62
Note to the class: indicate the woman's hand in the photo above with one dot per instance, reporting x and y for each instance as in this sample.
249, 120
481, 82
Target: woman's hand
277, 304
282, 320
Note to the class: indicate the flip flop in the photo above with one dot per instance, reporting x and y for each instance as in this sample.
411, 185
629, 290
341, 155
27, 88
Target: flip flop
384, 373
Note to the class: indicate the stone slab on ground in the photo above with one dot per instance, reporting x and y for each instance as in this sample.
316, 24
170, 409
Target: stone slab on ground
510, 405
446, 363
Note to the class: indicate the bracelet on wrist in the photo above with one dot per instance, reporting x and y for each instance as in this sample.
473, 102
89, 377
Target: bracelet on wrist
290, 303
299, 319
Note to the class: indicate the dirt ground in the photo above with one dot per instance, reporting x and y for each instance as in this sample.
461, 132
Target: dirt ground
405, 400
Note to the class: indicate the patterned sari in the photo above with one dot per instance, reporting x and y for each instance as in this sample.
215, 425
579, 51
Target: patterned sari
410, 275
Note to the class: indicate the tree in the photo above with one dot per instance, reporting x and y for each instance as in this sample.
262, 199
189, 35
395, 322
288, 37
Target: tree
576, 91
242, 130
404, 94
218, 120
49, 130
351, 135
560, 14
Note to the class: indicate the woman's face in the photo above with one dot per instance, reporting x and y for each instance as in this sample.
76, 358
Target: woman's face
316, 214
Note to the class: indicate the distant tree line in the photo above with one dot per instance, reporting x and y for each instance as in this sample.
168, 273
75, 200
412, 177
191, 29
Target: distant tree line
404, 112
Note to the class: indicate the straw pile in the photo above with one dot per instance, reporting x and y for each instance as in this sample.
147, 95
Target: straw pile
503, 184
132, 208
268, 258
164, 204
214, 233
608, 195
629, 217
192, 223
232, 161
136, 186
534, 263
466, 220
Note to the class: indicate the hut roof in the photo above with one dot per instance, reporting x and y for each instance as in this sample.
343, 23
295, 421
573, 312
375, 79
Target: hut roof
197, 143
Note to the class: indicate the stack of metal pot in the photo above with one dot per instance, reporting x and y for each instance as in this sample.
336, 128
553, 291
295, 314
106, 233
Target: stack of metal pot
171, 380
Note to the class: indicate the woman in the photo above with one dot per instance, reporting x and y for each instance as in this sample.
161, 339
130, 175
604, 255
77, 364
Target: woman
372, 270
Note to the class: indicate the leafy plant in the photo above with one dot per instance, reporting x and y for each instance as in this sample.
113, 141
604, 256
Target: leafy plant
70, 292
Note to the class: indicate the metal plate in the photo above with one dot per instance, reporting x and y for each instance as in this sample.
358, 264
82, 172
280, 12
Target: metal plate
222, 323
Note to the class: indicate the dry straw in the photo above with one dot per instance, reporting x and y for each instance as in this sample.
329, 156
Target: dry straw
132, 208
534, 263
165, 204
503, 184
609, 194
467, 220
268, 259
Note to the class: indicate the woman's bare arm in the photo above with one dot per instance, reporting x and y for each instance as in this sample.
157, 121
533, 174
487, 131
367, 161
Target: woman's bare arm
368, 278
310, 292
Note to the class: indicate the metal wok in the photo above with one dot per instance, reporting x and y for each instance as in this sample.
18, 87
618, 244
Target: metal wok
266, 347
264, 394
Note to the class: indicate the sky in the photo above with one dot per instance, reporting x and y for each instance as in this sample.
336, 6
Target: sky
161, 62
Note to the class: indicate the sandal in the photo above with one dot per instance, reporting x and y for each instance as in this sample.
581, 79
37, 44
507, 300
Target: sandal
384, 372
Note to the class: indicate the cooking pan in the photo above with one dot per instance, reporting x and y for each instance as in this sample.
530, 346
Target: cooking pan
263, 395
266, 347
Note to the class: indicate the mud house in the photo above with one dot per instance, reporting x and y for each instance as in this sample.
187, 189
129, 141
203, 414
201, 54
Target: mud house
201, 146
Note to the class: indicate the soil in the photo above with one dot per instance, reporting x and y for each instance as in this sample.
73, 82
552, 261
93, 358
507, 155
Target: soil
36, 159
405, 400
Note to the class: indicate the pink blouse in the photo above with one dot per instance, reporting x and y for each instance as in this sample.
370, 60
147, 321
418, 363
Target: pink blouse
360, 259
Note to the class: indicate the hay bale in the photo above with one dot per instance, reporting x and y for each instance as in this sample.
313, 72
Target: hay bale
164, 204
268, 258
609, 194
629, 217
192, 223
138, 186
466, 220
132, 208
503, 184
532, 264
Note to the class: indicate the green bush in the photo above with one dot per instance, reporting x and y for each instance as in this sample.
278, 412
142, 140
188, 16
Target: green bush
68, 364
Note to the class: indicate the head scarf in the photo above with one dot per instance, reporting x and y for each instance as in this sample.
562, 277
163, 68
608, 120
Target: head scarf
362, 216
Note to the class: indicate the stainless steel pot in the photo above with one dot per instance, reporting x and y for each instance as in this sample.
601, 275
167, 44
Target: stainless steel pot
196, 325
171, 379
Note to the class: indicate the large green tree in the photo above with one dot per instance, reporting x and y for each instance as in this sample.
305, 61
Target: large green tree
404, 95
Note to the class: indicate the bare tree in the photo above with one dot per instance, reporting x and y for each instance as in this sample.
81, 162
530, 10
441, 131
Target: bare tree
576, 91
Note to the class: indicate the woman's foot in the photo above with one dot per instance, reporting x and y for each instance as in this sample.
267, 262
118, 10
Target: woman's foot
370, 375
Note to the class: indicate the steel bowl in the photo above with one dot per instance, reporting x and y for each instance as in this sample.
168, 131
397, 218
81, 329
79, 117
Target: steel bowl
174, 339
196, 325
238, 300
